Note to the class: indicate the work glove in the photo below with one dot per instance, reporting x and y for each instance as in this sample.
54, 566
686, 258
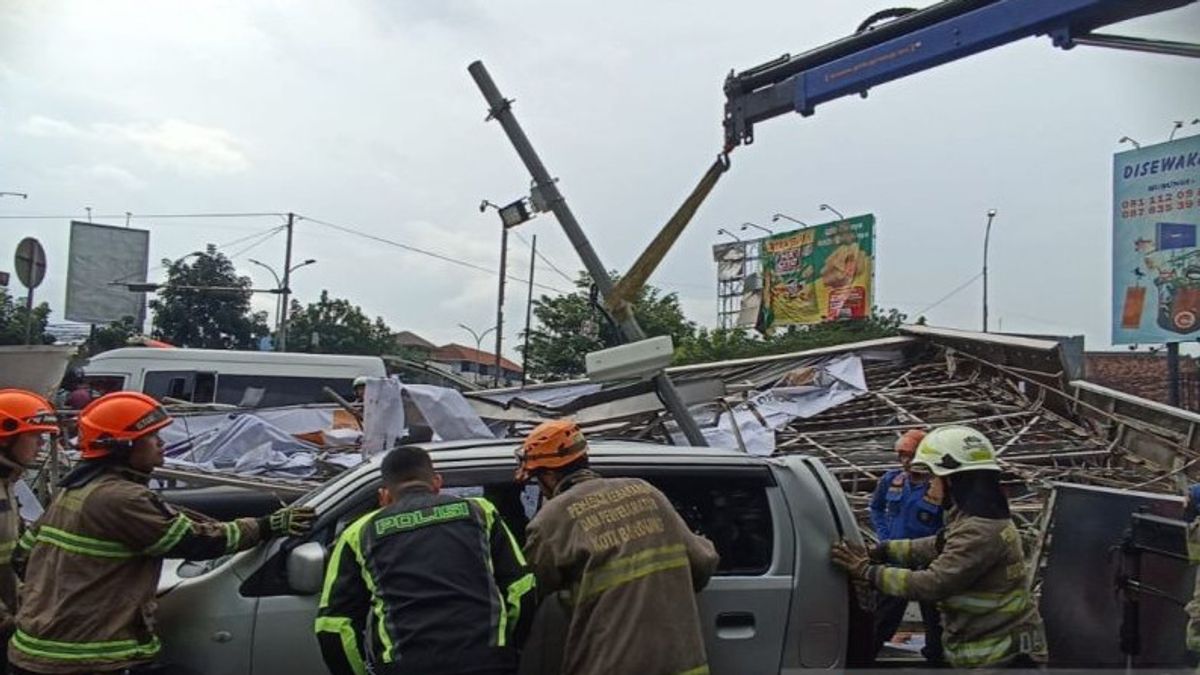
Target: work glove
289, 522
878, 553
852, 558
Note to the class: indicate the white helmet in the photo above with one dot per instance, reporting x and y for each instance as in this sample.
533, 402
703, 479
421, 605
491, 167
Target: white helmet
949, 450
360, 381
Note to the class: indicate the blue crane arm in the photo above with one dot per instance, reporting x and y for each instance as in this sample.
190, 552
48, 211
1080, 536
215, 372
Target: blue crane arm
920, 40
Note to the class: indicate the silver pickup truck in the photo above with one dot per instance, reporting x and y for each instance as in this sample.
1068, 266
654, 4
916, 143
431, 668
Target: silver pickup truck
776, 605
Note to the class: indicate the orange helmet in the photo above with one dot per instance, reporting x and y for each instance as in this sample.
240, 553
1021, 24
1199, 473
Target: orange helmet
908, 442
551, 445
117, 419
25, 412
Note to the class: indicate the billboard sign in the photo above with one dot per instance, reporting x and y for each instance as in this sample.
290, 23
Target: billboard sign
1156, 261
102, 257
820, 273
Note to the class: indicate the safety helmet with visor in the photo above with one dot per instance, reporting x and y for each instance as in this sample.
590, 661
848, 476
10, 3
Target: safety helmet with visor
953, 449
114, 421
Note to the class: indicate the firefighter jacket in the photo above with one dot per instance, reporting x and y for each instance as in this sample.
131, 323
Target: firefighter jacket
432, 584
94, 560
10, 532
631, 568
902, 509
975, 570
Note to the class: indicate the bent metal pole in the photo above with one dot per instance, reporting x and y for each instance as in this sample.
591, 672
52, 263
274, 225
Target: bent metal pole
500, 109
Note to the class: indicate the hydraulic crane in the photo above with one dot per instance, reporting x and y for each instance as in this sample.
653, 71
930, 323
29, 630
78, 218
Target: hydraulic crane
917, 40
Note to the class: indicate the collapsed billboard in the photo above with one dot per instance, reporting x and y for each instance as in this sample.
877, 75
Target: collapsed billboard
1156, 261
820, 273
100, 258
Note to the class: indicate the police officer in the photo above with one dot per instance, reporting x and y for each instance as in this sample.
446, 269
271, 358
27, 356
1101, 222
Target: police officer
974, 569
428, 584
905, 507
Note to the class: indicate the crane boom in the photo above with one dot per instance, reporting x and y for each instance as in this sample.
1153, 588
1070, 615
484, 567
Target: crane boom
938, 34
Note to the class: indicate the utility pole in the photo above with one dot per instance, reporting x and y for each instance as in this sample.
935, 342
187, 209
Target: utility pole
500, 301
986, 235
287, 283
1173, 374
500, 109
528, 314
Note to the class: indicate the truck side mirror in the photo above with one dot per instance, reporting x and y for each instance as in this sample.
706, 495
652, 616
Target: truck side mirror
306, 568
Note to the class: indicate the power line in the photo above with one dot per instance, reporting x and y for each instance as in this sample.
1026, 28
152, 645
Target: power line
264, 239
135, 216
421, 251
952, 293
268, 233
545, 259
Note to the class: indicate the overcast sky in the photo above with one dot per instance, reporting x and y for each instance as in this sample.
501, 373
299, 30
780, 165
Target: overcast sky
362, 114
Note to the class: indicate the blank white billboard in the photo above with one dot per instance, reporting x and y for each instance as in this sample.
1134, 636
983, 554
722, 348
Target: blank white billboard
101, 256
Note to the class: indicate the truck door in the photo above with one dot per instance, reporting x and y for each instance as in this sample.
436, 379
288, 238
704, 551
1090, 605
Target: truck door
744, 609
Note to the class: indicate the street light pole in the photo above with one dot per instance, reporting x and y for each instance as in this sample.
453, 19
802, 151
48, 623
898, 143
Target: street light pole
721, 230
775, 219
746, 225
279, 284
826, 207
986, 236
478, 343
287, 283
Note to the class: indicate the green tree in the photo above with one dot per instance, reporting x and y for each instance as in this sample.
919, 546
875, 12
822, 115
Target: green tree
13, 317
112, 336
569, 326
720, 344
191, 312
335, 326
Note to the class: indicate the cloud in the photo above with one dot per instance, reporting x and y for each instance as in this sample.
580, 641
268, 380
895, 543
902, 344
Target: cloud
186, 147
48, 127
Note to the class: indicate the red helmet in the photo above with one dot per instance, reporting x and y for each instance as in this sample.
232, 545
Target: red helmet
551, 445
116, 419
25, 412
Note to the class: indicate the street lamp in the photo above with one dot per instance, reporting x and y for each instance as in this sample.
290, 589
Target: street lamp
746, 225
279, 287
1176, 126
826, 207
775, 219
478, 341
986, 235
1126, 139
22, 195
511, 216
721, 230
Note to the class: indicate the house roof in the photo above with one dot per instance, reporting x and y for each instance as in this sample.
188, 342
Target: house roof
457, 352
407, 338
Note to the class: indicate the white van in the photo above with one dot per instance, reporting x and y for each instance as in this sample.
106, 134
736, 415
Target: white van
247, 379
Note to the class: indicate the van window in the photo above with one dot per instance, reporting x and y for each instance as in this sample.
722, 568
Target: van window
181, 385
277, 390
104, 384
732, 511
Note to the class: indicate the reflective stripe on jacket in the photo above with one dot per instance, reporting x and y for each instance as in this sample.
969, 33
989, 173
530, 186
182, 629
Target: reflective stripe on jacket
631, 568
975, 569
430, 584
94, 560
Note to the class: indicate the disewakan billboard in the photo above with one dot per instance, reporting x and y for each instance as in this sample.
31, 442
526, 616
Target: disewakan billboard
1156, 261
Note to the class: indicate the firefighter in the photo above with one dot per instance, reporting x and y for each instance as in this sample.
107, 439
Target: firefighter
25, 418
906, 505
447, 581
628, 562
95, 556
974, 569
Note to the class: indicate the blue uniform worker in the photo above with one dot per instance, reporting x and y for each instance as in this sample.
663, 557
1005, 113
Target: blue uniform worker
903, 508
